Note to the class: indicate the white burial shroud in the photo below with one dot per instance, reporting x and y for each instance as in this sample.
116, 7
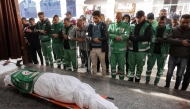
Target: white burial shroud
68, 89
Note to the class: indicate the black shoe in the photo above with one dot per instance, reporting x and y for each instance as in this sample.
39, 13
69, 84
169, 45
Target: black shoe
167, 86
183, 88
147, 82
98, 70
59, 67
130, 79
18, 63
176, 88
156, 83
137, 80
88, 71
107, 72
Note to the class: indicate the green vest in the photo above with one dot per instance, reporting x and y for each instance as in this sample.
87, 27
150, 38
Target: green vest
154, 23
122, 30
42, 26
165, 47
56, 29
142, 46
72, 44
25, 79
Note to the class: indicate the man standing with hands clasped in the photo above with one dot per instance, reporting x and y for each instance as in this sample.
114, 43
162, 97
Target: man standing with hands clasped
139, 39
179, 41
158, 49
57, 39
44, 29
119, 33
79, 34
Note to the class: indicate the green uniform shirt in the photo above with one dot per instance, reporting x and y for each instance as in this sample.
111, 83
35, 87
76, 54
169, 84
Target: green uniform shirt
122, 30
72, 44
56, 29
165, 47
44, 25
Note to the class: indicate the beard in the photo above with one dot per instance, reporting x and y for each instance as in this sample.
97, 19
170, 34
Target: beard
184, 27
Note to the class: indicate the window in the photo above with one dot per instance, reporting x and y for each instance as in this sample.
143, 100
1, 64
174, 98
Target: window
71, 6
50, 7
28, 9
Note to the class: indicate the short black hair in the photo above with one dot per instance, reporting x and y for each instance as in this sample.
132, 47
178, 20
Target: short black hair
185, 16
31, 19
96, 13
140, 14
66, 19
163, 10
83, 18
55, 16
23, 18
40, 13
162, 17
175, 17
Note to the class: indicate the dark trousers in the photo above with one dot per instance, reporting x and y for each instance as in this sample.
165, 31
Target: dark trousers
181, 64
34, 55
81, 56
106, 60
186, 78
86, 59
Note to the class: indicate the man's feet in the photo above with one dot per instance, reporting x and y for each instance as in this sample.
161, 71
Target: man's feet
130, 79
137, 80
147, 81
98, 70
167, 86
59, 66
107, 72
51, 65
156, 83
88, 71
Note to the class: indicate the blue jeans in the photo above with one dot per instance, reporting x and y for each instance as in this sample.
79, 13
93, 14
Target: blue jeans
181, 64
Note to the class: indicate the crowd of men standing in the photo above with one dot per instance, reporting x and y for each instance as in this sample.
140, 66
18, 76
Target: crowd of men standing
124, 44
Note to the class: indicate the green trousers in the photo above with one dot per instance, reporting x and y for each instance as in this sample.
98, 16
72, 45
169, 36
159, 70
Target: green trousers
160, 65
58, 49
136, 59
47, 52
70, 56
120, 59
